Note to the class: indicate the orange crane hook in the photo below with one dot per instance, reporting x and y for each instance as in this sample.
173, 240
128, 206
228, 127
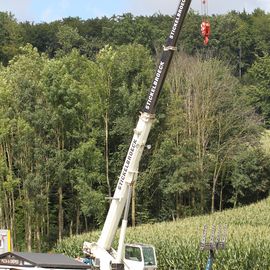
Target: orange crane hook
205, 25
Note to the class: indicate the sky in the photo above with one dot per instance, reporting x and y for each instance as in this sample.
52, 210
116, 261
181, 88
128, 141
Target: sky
49, 10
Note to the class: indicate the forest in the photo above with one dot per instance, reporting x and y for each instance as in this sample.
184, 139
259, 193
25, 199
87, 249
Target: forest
71, 92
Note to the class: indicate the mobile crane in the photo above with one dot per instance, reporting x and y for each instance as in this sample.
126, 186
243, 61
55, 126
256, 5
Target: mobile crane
134, 256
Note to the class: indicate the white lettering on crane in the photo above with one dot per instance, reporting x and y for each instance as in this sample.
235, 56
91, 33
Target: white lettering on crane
154, 85
126, 165
177, 19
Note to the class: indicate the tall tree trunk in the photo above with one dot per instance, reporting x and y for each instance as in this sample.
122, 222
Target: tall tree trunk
213, 195
1, 215
28, 225
193, 198
38, 238
71, 228
9, 158
6, 211
29, 233
107, 152
13, 217
178, 204
47, 209
86, 223
61, 147
60, 214
221, 197
77, 219
235, 200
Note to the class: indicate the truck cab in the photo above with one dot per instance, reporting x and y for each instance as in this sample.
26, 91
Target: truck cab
140, 257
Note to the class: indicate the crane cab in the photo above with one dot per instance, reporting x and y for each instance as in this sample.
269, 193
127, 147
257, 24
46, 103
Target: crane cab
140, 257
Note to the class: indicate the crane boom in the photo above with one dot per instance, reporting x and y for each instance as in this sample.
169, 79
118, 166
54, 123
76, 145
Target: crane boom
130, 168
141, 131
166, 57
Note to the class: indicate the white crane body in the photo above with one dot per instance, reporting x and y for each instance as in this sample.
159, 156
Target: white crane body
128, 174
135, 257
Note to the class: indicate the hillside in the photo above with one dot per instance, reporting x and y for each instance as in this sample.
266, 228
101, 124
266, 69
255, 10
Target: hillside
248, 241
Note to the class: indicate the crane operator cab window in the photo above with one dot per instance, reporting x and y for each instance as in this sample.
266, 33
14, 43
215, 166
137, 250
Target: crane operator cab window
141, 257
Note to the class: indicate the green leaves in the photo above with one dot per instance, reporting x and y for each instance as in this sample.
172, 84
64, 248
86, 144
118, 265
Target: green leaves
10, 37
207, 125
68, 38
257, 88
55, 115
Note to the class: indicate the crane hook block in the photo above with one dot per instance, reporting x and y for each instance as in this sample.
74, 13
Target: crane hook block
205, 31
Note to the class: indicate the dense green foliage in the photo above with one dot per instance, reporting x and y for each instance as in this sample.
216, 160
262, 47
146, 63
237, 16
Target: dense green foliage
177, 243
54, 117
235, 37
70, 95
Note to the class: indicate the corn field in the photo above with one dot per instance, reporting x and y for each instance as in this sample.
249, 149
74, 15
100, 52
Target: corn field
177, 243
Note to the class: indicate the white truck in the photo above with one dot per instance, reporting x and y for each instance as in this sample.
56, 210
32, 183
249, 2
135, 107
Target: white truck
134, 256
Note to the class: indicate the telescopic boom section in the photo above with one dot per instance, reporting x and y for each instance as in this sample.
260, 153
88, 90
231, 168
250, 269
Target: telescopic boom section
166, 57
131, 164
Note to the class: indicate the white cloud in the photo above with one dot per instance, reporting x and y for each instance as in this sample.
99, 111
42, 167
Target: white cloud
20, 8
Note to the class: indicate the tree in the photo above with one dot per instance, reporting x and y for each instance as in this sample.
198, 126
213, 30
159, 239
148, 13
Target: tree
68, 38
10, 38
67, 109
124, 72
259, 24
88, 178
249, 176
257, 86
42, 36
21, 109
207, 120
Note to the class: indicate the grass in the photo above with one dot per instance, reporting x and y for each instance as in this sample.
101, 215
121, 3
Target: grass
247, 248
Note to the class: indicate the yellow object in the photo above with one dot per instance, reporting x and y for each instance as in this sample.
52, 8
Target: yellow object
9, 241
